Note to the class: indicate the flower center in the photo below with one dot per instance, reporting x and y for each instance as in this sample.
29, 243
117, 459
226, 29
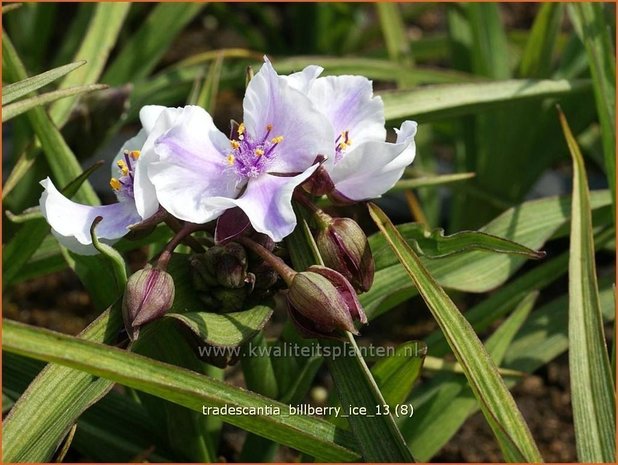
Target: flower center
342, 142
251, 157
123, 184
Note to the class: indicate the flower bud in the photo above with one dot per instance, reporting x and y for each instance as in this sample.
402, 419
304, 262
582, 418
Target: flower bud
148, 295
221, 265
231, 267
344, 248
322, 301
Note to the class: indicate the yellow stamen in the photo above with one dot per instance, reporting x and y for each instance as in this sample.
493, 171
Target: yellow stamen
277, 140
123, 167
135, 154
115, 184
241, 129
259, 152
230, 159
235, 144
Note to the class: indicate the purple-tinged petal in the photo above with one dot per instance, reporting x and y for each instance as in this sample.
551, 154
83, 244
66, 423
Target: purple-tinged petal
155, 120
348, 103
372, 168
192, 177
272, 103
303, 80
71, 221
267, 202
345, 290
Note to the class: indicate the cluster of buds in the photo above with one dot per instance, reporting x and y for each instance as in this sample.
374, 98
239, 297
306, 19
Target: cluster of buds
225, 277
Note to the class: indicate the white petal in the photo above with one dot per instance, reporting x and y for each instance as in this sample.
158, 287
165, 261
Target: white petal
192, 178
268, 203
303, 80
374, 167
349, 104
71, 221
155, 120
269, 100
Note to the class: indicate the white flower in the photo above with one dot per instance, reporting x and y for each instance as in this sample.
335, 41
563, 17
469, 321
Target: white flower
364, 166
71, 221
200, 172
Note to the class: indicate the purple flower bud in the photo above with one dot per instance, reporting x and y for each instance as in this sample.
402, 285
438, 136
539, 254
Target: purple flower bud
344, 247
148, 295
321, 301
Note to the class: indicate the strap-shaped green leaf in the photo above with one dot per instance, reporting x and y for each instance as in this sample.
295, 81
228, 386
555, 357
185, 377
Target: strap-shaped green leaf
450, 100
496, 401
12, 92
592, 387
189, 389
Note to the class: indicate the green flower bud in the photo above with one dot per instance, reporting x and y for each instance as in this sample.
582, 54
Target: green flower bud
344, 248
221, 265
148, 295
321, 302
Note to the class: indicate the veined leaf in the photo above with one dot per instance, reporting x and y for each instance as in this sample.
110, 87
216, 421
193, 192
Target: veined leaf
31, 436
592, 387
496, 401
434, 244
227, 329
186, 388
12, 92
424, 181
17, 108
531, 224
450, 100
439, 417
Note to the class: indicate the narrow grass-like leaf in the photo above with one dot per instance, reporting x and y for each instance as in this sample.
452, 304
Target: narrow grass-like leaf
437, 420
141, 53
434, 244
536, 60
30, 435
488, 387
184, 428
378, 436
96, 46
12, 92
592, 27
372, 68
115, 429
531, 223
449, 100
394, 32
186, 388
591, 380
424, 181
22, 106
61, 159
